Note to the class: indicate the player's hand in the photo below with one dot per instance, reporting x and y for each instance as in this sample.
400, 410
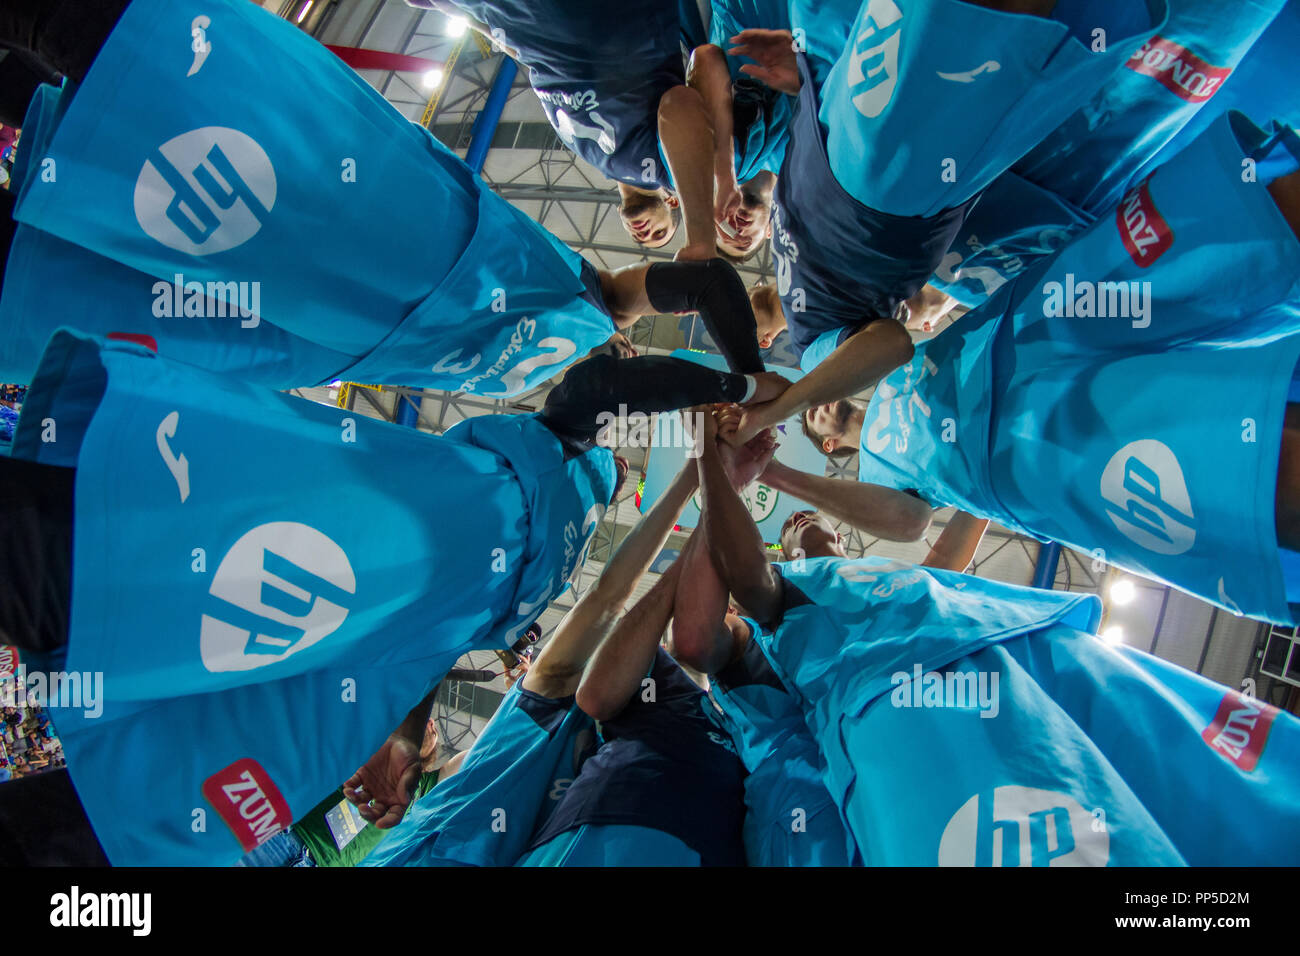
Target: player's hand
771, 386
773, 52
513, 674
753, 421
700, 424
727, 201
619, 346
382, 787
744, 463
728, 417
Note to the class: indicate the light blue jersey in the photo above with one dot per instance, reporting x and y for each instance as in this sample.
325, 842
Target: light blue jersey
790, 818
1178, 71
1014, 225
1259, 86
1228, 773
1085, 401
209, 580
206, 197
935, 748
760, 144
990, 85
512, 777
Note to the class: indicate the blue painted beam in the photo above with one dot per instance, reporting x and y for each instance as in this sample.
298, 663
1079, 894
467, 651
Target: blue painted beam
1049, 556
485, 127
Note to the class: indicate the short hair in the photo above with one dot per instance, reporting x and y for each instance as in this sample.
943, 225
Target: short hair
843, 451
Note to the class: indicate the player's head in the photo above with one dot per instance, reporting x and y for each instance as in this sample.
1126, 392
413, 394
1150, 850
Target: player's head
769, 317
743, 232
650, 217
835, 428
808, 534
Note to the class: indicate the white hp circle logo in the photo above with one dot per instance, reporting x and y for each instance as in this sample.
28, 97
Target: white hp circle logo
1147, 497
205, 191
1023, 826
281, 588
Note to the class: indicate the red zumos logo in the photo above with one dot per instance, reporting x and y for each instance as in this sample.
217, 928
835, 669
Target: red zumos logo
248, 801
1146, 235
9, 661
1240, 729
1178, 69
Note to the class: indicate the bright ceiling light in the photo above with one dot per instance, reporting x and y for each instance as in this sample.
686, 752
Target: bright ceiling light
456, 26
1123, 591
302, 14
432, 80
1113, 634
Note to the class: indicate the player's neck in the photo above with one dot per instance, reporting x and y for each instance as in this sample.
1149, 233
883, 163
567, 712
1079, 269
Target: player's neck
853, 427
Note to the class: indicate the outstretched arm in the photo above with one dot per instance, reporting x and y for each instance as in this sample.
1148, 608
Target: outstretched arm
709, 76
701, 638
686, 135
622, 662
880, 511
858, 364
733, 540
557, 670
956, 547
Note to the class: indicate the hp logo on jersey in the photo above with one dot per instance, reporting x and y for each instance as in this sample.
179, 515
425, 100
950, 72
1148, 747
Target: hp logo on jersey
875, 46
205, 191
1148, 498
1023, 826
281, 588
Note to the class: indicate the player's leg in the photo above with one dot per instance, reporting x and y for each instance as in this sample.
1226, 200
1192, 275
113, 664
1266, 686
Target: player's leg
992, 79
594, 392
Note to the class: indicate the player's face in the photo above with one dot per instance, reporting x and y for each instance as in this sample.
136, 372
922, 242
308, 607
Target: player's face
808, 534
648, 220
